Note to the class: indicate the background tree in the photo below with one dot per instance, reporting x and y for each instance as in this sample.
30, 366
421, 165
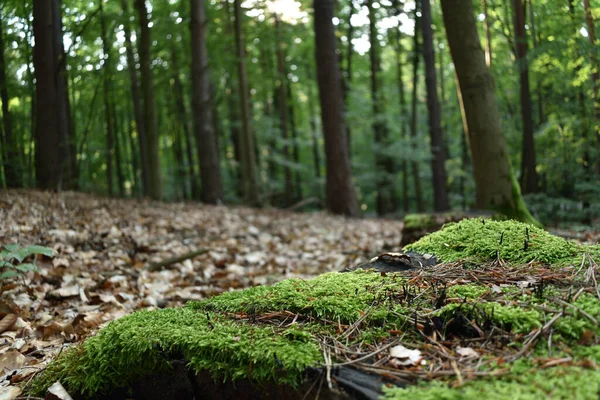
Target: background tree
496, 186
341, 198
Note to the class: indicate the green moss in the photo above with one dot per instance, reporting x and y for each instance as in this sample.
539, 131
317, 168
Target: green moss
483, 240
329, 296
417, 221
553, 383
143, 343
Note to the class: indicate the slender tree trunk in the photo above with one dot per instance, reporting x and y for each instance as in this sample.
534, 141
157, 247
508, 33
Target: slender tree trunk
208, 154
283, 116
118, 152
347, 74
68, 175
152, 158
535, 43
488, 36
589, 21
497, 188
47, 162
249, 166
413, 118
108, 119
137, 103
386, 196
529, 177
438, 153
295, 145
177, 87
11, 156
402, 101
341, 196
313, 130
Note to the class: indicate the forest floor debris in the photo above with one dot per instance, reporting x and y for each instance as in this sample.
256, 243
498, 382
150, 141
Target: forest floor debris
103, 246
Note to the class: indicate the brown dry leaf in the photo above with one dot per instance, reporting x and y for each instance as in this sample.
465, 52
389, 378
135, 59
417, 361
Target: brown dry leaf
7, 322
9, 392
11, 360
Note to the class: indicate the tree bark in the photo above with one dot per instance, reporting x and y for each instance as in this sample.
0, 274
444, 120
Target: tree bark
49, 173
589, 21
137, 103
413, 117
106, 75
488, 36
386, 191
283, 116
496, 186
438, 151
341, 196
11, 156
529, 177
295, 144
154, 188
208, 155
250, 181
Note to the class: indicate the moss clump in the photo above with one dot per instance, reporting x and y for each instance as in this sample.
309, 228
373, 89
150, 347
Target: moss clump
481, 240
145, 342
332, 296
525, 384
419, 221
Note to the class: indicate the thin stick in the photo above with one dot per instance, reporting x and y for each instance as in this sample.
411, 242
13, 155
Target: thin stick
157, 266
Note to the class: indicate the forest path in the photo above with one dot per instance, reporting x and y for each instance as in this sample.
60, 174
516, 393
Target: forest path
104, 244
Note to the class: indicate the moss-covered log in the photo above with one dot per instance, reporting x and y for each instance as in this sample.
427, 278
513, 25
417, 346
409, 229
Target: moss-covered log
527, 315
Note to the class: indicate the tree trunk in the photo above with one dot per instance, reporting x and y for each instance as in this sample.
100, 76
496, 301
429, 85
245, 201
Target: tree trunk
313, 130
386, 191
438, 151
181, 112
589, 21
341, 196
535, 43
488, 36
283, 116
295, 145
108, 122
402, 100
208, 155
347, 75
154, 187
137, 103
11, 156
49, 173
497, 189
247, 155
413, 118
529, 177
118, 151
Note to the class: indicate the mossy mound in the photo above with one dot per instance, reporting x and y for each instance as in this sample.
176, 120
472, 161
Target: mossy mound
483, 240
275, 334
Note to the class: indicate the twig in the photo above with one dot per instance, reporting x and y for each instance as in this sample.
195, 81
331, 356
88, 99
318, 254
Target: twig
367, 356
303, 203
531, 341
581, 311
157, 266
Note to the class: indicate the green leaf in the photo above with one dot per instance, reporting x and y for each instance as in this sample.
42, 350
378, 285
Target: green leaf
11, 247
26, 267
30, 250
9, 274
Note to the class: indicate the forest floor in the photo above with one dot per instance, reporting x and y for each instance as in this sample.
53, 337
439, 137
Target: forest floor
104, 247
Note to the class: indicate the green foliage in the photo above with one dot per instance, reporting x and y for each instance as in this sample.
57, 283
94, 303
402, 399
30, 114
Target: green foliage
482, 240
12, 257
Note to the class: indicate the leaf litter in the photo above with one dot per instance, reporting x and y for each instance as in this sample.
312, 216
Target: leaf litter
104, 247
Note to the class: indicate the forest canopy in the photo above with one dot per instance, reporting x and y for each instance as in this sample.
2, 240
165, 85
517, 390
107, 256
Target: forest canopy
357, 106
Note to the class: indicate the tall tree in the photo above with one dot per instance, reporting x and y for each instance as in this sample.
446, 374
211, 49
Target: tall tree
210, 172
591, 30
11, 156
529, 176
438, 151
51, 125
154, 183
496, 187
282, 97
386, 191
137, 102
413, 114
341, 196
250, 181
108, 118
